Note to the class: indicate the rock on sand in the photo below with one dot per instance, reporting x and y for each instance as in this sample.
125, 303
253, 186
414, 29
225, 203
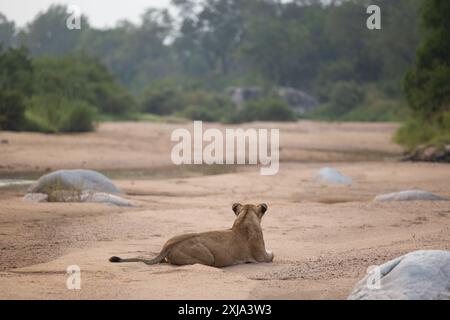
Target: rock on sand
418, 275
408, 195
74, 180
330, 175
75, 186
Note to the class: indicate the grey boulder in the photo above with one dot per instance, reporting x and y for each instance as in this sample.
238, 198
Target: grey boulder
77, 180
86, 197
75, 186
333, 176
101, 197
300, 101
418, 275
409, 195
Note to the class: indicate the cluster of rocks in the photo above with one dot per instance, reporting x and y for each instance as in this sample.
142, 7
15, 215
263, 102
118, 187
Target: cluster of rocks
430, 153
418, 275
300, 101
332, 176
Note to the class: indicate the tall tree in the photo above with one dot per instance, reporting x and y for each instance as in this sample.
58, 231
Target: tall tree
427, 85
216, 32
7, 30
48, 32
16, 73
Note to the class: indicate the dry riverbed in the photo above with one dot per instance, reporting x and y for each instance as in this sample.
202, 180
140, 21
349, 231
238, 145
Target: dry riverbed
324, 237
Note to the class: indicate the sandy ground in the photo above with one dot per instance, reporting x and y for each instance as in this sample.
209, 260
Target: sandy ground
324, 236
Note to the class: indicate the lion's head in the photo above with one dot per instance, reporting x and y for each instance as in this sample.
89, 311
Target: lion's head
248, 212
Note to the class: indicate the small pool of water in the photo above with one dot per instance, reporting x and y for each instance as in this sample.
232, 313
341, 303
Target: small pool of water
14, 182
24, 179
162, 173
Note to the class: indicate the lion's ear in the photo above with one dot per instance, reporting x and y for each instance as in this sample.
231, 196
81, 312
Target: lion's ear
263, 208
236, 208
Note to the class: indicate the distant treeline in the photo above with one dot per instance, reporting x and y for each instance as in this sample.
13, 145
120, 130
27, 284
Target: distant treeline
56, 94
325, 50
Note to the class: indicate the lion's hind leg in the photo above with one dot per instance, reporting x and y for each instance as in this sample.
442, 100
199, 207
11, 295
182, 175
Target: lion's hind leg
192, 254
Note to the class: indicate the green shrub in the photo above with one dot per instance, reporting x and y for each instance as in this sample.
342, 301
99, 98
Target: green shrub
344, 97
53, 113
417, 130
264, 109
331, 73
15, 85
199, 113
16, 71
374, 102
426, 85
12, 110
168, 98
161, 99
113, 99
384, 110
203, 113
81, 78
132, 116
80, 118
391, 89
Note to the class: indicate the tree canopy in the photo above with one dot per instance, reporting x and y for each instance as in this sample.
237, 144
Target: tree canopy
323, 48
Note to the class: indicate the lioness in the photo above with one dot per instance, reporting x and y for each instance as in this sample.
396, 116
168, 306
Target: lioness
243, 243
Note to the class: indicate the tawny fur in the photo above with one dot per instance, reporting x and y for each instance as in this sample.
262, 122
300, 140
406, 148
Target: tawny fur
243, 243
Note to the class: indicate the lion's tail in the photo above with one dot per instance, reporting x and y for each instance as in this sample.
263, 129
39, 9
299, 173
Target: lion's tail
158, 259
162, 255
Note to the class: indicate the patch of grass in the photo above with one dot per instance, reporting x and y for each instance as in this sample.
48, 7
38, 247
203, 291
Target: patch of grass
212, 113
137, 116
418, 131
263, 109
57, 191
53, 114
385, 111
375, 106
377, 111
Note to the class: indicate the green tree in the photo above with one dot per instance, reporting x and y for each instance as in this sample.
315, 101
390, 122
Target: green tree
16, 70
15, 85
7, 30
215, 33
12, 110
48, 33
427, 85
136, 54
82, 78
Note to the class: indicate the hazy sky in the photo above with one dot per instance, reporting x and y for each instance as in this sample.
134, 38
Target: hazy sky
101, 13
